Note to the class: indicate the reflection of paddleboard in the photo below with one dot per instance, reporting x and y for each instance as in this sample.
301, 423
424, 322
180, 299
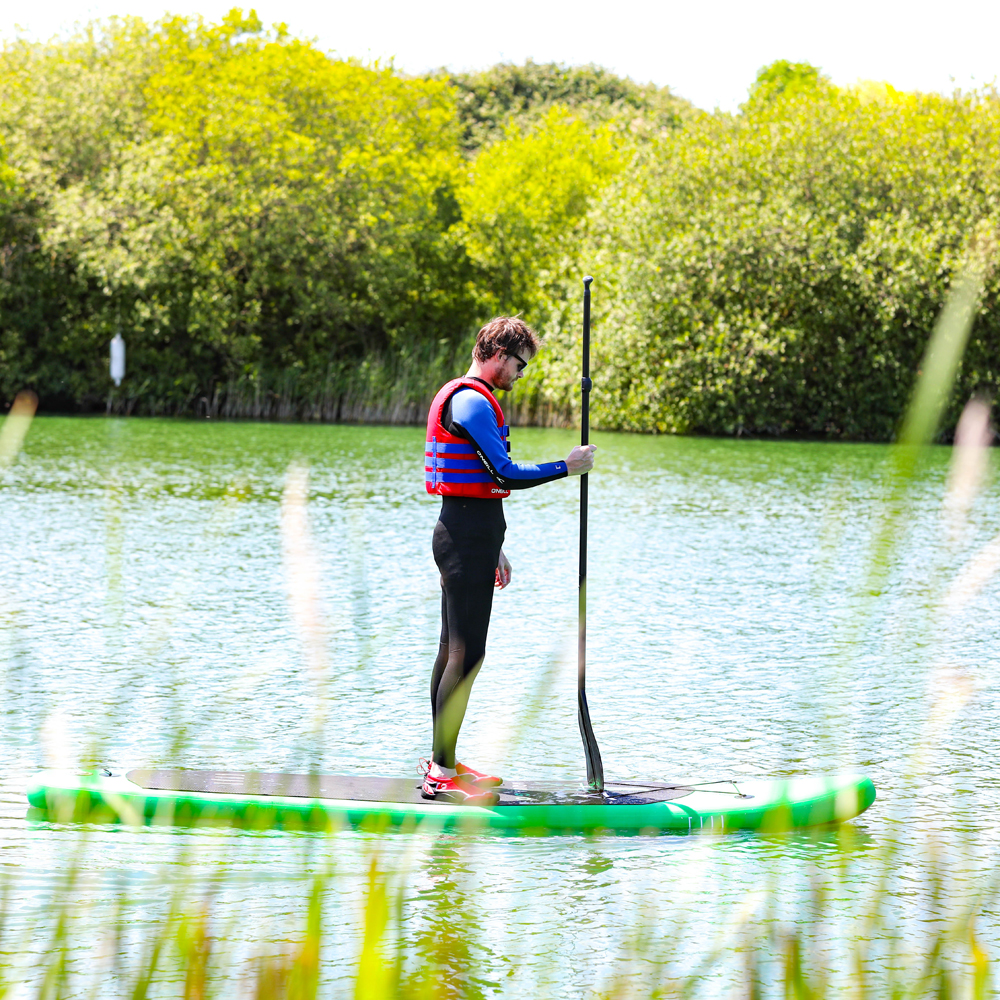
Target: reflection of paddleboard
264, 800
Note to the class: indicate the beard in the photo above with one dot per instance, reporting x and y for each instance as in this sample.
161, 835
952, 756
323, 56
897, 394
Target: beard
503, 381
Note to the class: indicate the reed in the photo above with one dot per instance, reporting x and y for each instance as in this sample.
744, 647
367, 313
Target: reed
754, 952
382, 388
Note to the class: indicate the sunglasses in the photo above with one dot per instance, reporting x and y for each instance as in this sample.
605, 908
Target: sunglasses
521, 363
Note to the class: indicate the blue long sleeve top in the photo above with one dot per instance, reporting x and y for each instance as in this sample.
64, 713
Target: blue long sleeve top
468, 414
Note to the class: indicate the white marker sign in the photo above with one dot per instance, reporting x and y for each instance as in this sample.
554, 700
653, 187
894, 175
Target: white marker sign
118, 359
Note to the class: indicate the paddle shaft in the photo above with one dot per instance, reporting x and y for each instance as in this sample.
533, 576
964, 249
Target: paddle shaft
595, 767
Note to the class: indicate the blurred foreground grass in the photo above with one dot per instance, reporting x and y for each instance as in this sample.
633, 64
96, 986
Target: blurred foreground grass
752, 952
184, 946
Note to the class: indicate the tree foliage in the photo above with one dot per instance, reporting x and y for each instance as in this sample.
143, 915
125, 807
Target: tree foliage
493, 100
786, 79
233, 198
525, 206
259, 218
779, 271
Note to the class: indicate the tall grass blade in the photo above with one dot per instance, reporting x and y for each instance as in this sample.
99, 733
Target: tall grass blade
936, 377
15, 427
304, 980
943, 356
302, 576
374, 981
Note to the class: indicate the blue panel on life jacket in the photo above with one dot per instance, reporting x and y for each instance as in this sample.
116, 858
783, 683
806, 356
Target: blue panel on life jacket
464, 464
442, 446
458, 477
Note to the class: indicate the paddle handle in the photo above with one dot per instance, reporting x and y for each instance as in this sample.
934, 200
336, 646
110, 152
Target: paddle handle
595, 766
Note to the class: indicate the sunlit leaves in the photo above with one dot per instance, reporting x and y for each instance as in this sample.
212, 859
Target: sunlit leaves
779, 271
234, 199
527, 198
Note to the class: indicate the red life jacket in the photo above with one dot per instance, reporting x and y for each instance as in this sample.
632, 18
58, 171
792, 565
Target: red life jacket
451, 466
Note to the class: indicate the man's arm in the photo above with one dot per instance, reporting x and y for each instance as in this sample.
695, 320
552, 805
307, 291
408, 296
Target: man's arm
472, 417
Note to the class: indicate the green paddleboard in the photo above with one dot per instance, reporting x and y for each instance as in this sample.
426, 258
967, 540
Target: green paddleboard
267, 800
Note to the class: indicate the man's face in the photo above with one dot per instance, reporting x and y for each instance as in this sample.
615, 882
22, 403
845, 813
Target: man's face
510, 367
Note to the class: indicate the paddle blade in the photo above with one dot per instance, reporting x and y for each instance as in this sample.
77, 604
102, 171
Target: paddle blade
595, 766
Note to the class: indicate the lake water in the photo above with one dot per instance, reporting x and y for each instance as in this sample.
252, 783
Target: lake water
734, 629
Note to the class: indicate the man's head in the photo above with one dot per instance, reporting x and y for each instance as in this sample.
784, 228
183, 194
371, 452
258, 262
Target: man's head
503, 347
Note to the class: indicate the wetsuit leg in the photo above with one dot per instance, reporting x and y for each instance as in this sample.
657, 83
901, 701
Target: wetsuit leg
467, 541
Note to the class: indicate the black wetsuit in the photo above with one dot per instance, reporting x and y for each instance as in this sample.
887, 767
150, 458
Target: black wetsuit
467, 541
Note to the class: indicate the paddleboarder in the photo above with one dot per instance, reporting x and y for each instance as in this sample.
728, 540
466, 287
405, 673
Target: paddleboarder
467, 463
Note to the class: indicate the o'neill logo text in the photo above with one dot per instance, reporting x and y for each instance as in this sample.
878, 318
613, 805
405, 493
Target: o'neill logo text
495, 490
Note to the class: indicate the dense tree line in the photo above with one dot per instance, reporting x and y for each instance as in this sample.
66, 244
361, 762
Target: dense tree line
280, 233
779, 271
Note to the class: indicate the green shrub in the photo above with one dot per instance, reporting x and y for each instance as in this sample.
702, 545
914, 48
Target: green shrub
778, 271
234, 200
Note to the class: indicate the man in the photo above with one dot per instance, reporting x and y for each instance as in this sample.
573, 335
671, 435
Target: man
467, 463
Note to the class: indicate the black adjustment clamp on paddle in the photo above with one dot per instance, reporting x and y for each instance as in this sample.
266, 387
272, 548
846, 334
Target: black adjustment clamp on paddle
586, 383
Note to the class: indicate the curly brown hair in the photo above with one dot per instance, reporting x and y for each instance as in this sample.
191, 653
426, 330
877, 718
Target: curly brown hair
505, 335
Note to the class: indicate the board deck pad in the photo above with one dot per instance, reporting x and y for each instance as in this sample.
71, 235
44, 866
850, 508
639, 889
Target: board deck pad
368, 788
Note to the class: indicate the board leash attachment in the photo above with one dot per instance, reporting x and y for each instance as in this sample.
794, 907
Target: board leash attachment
595, 766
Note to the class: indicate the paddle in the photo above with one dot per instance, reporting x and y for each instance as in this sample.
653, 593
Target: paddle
595, 768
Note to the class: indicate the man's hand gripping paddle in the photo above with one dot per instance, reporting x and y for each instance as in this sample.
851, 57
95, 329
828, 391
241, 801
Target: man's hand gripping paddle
595, 767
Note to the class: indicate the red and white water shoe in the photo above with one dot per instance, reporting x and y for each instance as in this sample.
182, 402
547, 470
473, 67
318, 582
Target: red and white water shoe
445, 789
477, 777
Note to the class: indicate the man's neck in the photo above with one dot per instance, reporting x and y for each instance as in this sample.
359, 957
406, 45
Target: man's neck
477, 372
